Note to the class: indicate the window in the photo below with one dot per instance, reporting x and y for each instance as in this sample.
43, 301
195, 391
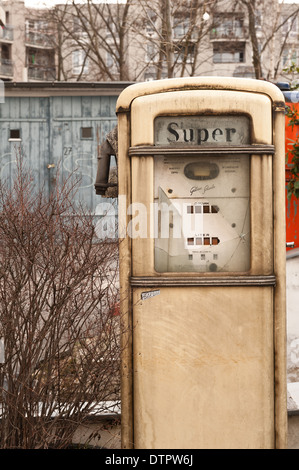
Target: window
228, 26
289, 25
77, 26
181, 26
289, 56
36, 25
14, 135
112, 31
86, 132
225, 53
151, 52
151, 21
258, 20
40, 57
149, 77
5, 52
110, 60
184, 53
80, 62
150, 74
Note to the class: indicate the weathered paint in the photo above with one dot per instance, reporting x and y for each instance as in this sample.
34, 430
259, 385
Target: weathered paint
164, 358
50, 125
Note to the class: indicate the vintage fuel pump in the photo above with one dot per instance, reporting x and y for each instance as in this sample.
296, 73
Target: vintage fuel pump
202, 264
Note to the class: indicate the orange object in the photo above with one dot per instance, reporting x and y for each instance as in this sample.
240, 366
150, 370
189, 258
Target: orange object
292, 205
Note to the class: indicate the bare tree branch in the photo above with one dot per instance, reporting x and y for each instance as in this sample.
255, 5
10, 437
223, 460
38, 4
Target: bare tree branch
58, 297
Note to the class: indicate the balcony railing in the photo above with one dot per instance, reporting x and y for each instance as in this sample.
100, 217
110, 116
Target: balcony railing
6, 33
236, 33
37, 38
41, 73
6, 68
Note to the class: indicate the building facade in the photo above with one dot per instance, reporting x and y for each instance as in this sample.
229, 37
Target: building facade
219, 37
27, 53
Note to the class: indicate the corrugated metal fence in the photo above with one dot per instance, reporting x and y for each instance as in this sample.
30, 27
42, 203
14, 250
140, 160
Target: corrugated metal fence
56, 132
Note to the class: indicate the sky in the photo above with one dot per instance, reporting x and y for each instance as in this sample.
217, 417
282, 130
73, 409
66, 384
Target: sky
40, 3
47, 3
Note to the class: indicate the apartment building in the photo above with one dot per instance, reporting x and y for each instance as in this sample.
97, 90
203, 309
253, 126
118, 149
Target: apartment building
226, 37
25, 43
216, 39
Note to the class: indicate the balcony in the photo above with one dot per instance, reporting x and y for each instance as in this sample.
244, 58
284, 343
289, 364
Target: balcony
39, 39
41, 73
6, 33
226, 53
6, 68
183, 29
230, 27
229, 34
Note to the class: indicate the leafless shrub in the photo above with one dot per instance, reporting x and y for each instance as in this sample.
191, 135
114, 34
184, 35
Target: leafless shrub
58, 297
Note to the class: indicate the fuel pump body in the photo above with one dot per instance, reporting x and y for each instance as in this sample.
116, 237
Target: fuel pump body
202, 264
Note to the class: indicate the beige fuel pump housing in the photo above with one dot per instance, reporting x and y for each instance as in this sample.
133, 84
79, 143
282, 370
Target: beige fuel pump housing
202, 264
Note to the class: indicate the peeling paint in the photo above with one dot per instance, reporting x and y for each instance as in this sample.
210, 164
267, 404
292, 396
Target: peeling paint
51, 138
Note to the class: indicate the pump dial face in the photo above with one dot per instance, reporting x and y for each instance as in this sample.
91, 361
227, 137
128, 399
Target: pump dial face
202, 214
202, 203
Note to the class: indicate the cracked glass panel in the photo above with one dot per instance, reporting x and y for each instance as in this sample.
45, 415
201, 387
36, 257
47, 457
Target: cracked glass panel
202, 218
